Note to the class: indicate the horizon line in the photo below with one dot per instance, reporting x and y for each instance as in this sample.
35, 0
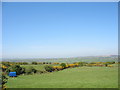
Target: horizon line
59, 57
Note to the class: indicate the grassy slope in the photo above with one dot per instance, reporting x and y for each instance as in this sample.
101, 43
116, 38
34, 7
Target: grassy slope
38, 67
81, 77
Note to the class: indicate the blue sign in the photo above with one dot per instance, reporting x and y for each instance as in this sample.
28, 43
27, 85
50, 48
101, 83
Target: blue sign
12, 74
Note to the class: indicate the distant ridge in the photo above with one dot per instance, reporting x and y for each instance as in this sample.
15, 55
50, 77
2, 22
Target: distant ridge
102, 58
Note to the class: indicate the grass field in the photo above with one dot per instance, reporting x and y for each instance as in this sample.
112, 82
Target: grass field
37, 67
80, 77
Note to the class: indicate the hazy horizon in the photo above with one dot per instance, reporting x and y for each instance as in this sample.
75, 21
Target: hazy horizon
53, 30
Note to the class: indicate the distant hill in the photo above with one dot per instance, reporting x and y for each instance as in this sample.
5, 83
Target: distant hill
69, 60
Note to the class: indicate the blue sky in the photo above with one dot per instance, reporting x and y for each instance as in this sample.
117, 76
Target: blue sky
49, 30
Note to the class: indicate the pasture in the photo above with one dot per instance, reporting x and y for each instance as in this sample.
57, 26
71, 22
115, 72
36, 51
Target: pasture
79, 77
37, 67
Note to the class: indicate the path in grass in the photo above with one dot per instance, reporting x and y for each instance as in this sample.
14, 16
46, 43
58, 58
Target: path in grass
81, 77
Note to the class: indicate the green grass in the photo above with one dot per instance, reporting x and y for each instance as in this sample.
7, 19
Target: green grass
37, 67
80, 77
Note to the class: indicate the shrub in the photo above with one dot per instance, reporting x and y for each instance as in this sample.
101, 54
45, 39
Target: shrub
49, 68
35, 63
82, 63
7, 64
4, 68
71, 65
76, 65
109, 66
50, 63
110, 62
93, 63
63, 65
90, 65
40, 63
67, 66
57, 68
47, 62
15, 68
3, 80
25, 63
56, 63
106, 64
43, 62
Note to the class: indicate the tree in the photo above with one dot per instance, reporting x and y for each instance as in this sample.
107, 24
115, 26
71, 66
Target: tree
63, 65
7, 64
106, 64
49, 68
35, 63
82, 63
16, 68
43, 62
25, 63
3, 80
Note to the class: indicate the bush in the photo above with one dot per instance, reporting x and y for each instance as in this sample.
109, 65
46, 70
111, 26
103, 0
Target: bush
93, 63
7, 64
82, 63
63, 65
15, 68
49, 68
55, 63
30, 70
106, 64
58, 68
71, 65
35, 63
47, 63
110, 62
3, 68
25, 63
110, 66
3, 80
50, 63
90, 65
39, 62
43, 62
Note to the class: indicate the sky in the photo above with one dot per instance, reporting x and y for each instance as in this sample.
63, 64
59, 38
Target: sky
61, 29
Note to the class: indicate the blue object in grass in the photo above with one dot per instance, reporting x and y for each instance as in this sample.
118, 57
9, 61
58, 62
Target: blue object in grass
12, 74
